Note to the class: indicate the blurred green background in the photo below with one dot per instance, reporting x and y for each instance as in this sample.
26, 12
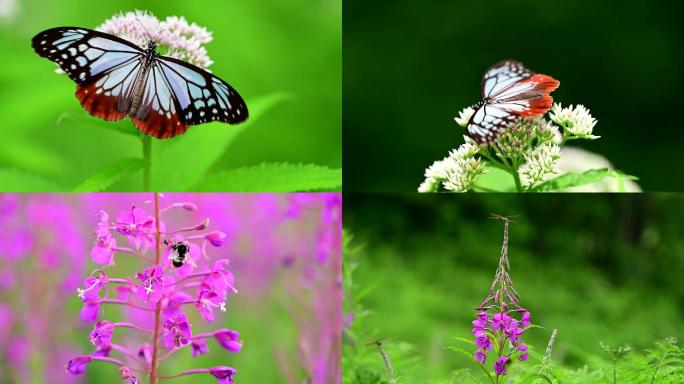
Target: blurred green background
597, 268
410, 67
260, 47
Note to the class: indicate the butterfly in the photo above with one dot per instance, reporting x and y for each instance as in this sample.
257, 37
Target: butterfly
509, 93
116, 78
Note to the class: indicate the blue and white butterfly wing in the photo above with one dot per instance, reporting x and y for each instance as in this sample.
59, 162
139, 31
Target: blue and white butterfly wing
157, 114
82, 53
500, 77
201, 96
104, 67
488, 122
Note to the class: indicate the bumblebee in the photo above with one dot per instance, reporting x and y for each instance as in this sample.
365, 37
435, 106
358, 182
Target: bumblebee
179, 252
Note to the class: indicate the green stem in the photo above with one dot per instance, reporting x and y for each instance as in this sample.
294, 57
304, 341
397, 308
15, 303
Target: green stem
516, 177
147, 161
656, 369
614, 371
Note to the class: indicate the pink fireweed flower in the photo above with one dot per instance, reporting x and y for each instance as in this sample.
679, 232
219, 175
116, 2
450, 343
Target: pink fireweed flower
145, 353
501, 328
215, 238
176, 331
101, 336
127, 376
228, 339
500, 365
220, 279
151, 284
155, 298
103, 251
137, 225
208, 300
173, 301
90, 295
224, 375
78, 364
199, 347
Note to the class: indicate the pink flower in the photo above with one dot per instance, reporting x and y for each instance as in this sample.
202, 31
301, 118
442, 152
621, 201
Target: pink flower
127, 376
206, 301
77, 365
525, 319
145, 353
228, 339
176, 331
224, 375
102, 334
102, 350
151, 284
91, 297
171, 304
220, 278
103, 251
136, 224
199, 347
215, 238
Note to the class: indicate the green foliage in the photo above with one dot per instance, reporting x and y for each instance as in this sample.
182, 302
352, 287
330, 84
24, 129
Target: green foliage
18, 181
109, 175
273, 177
596, 267
574, 179
183, 161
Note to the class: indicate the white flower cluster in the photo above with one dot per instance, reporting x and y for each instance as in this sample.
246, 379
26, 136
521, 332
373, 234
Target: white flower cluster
576, 121
464, 116
456, 172
540, 163
182, 40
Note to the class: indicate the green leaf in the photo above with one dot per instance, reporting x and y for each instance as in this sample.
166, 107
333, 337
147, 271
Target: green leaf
83, 119
495, 179
18, 181
574, 179
273, 177
183, 161
109, 175
25, 153
539, 376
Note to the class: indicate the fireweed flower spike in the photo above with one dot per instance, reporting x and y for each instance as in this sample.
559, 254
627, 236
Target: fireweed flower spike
159, 294
501, 321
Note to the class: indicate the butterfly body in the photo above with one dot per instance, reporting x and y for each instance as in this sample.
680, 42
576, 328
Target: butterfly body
509, 92
162, 95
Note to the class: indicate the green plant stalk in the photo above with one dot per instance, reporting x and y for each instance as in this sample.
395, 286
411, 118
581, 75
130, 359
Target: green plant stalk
386, 361
503, 164
147, 161
516, 177
656, 369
